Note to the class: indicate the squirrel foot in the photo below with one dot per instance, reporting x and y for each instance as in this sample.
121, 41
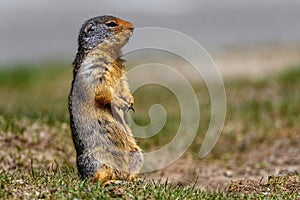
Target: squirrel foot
114, 183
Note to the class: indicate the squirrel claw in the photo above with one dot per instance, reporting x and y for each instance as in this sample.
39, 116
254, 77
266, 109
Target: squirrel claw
131, 108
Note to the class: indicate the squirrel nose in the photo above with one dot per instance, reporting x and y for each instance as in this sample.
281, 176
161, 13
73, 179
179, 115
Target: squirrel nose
126, 25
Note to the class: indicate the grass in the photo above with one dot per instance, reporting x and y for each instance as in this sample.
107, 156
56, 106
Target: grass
37, 158
60, 183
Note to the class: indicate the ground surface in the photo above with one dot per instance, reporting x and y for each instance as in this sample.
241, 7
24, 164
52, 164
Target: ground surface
257, 154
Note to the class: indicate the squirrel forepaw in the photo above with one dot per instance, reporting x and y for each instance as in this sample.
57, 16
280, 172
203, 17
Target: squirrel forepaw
124, 102
130, 100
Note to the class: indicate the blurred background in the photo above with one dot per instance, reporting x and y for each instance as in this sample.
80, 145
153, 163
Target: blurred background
34, 31
255, 44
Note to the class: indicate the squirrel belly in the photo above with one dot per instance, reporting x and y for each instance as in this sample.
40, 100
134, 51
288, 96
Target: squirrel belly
98, 102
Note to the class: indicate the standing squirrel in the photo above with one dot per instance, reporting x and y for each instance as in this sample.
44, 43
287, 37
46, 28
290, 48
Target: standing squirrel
99, 98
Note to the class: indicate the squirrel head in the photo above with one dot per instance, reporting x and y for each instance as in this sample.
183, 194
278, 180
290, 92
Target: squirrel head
104, 31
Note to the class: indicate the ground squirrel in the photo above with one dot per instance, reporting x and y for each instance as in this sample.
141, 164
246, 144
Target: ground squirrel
99, 97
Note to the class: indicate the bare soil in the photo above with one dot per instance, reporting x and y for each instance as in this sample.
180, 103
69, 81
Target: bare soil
39, 146
280, 158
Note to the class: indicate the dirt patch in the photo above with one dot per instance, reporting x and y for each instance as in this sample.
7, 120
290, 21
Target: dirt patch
34, 145
280, 158
273, 184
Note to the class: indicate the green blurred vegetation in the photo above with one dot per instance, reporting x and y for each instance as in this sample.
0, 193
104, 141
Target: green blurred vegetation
35, 91
255, 108
258, 111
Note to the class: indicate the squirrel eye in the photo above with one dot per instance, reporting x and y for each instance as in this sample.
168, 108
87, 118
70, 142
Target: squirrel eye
89, 28
111, 24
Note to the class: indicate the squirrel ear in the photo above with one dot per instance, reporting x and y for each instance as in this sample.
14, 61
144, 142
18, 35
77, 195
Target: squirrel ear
89, 27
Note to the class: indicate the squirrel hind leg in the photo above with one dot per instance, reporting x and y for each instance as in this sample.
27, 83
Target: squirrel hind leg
122, 182
104, 174
114, 183
110, 177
